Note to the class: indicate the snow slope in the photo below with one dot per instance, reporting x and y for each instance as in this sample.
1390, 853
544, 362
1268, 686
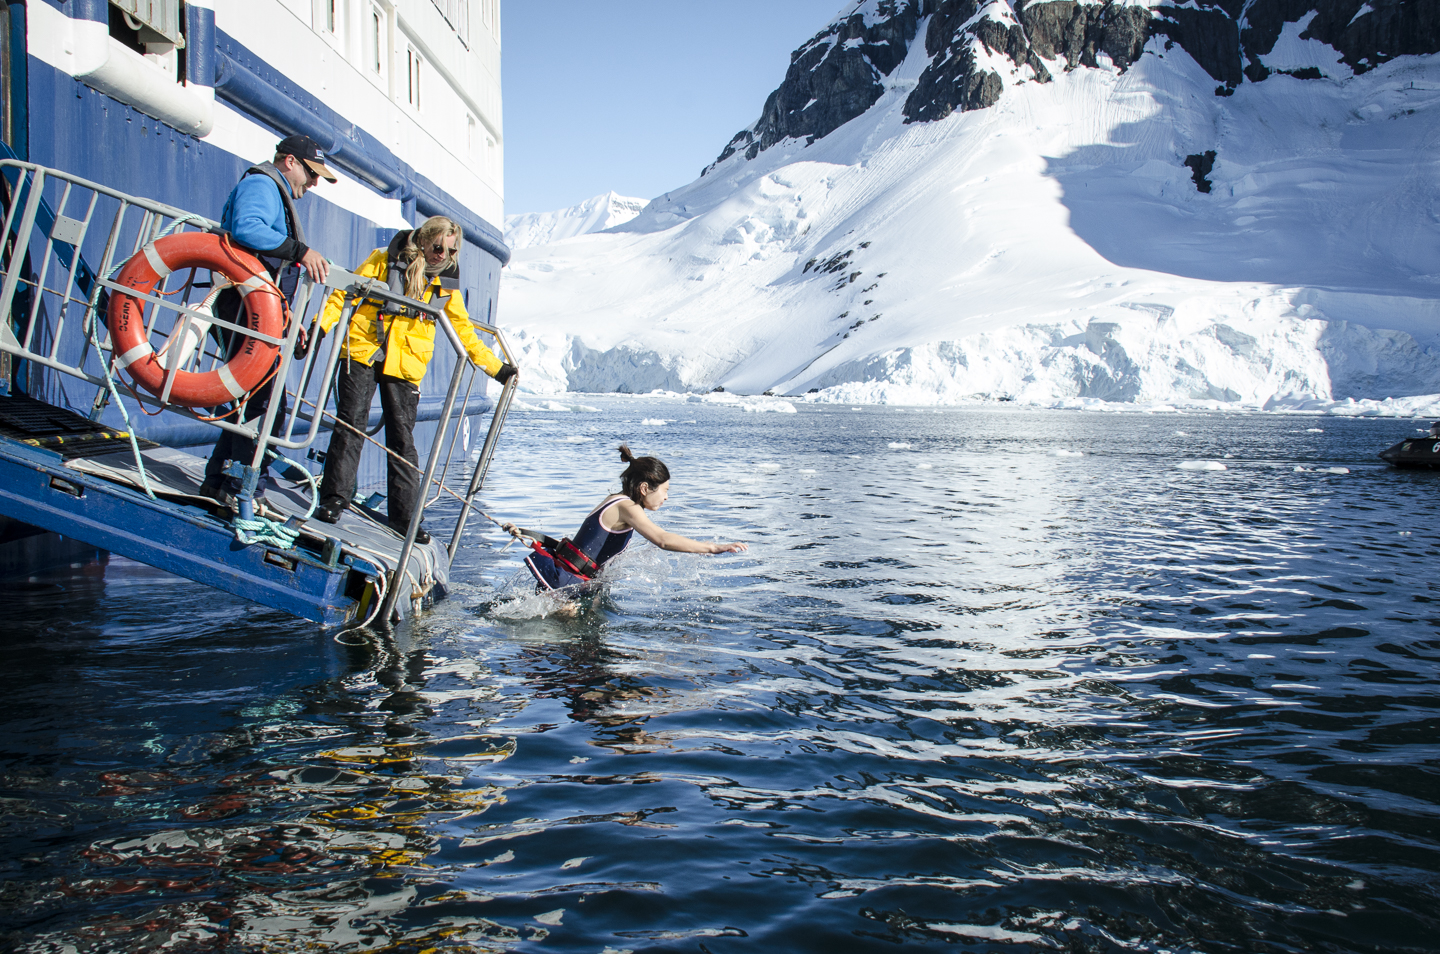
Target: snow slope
592, 215
1052, 247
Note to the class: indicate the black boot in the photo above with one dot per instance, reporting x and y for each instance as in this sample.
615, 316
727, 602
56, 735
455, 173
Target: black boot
329, 510
402, 528
214, 487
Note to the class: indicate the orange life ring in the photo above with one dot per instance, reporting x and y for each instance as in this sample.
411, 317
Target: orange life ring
263, 312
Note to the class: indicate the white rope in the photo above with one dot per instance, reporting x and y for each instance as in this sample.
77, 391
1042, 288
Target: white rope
105, 365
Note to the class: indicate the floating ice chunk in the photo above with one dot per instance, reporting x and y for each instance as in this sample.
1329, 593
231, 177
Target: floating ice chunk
1314, 430
653, 422
924, 466
1062, 452
551, 918
1181, 434
807, 470
1201, 465
576, 439
899, 445
1301, 470
1336, 470
742, 402
768, 467
555, 406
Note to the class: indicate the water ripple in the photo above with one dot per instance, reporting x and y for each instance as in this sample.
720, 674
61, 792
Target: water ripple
962, 689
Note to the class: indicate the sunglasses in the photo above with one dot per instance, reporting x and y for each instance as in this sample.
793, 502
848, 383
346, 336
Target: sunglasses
440, 249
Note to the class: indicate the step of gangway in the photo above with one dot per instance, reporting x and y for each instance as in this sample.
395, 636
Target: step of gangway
82, 481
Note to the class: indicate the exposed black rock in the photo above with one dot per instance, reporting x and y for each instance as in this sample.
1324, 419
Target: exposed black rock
952, 81
1209, 35
838, 74
1201, 165
1079, 31
1389, 29
833, 78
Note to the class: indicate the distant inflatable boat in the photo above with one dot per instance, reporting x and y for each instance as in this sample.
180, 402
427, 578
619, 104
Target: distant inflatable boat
1421, 452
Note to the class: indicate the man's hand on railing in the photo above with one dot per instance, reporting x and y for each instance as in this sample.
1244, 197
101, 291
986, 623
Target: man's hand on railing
506, 372
315, 265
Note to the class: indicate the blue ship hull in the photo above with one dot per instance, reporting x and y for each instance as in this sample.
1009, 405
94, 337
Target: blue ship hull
57, 121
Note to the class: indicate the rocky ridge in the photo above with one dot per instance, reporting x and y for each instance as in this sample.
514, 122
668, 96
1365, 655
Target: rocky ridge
841, 72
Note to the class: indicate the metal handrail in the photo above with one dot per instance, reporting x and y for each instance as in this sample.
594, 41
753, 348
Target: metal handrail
64, 238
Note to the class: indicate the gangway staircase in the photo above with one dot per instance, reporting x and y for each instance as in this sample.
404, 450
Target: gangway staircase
68, 465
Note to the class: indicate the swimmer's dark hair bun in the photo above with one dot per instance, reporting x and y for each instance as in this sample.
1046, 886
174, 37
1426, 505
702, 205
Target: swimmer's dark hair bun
625, 455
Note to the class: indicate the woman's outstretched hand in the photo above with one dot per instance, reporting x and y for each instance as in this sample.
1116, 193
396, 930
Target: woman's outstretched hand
729, 548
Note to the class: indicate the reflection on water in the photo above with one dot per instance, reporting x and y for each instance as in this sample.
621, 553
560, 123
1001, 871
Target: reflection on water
1011, 680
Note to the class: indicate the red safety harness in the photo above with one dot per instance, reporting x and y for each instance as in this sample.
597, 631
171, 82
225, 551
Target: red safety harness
564, 552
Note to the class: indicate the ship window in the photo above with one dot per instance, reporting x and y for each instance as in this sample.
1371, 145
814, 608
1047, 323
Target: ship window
457, 14
330, 15
149, 42
377, 41
154, 22
412, 82
7, 91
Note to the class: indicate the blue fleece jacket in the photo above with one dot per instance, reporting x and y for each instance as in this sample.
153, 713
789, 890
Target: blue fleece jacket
255, 216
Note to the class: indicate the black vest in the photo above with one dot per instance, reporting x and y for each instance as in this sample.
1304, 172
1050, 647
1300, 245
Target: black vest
395, 269
287, 278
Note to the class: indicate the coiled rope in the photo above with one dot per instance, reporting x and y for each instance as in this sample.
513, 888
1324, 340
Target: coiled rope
262, 529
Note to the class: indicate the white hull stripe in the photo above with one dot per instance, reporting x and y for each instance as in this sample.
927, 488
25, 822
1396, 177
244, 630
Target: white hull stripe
228, 379
253, 283
156, 262
134, 354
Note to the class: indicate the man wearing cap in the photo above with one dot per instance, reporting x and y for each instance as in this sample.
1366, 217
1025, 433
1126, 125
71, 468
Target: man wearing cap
260, 216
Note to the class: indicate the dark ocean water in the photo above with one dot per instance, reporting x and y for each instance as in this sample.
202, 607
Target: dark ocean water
997, 680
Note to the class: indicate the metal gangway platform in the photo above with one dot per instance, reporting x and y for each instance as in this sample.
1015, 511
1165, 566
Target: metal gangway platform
63, 467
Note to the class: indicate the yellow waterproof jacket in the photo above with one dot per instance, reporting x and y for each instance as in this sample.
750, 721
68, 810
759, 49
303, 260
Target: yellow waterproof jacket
409, 342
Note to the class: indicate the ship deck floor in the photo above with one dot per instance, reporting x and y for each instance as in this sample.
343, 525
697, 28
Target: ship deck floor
50, 440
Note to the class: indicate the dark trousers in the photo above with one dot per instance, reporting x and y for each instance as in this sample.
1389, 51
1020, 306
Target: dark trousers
355, 385
233, 446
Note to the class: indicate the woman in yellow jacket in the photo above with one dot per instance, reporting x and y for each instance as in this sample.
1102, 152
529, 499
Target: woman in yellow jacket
391, 350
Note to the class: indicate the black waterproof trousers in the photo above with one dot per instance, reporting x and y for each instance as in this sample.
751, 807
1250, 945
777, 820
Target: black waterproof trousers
355, 385
232, 446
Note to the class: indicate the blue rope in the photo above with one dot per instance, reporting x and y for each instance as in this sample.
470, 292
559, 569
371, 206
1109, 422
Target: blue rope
263, 530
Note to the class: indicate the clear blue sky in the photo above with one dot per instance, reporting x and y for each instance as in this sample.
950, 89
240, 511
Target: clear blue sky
635, 95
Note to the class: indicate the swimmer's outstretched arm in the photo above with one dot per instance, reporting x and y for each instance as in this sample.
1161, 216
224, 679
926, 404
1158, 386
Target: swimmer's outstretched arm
634, 515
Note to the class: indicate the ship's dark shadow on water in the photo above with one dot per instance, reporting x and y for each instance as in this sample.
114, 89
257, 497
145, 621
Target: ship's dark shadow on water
1004, 680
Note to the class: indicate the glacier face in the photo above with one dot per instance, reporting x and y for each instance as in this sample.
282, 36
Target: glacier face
1049, 247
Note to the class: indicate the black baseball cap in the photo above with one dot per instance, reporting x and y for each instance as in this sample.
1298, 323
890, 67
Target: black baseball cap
307, 151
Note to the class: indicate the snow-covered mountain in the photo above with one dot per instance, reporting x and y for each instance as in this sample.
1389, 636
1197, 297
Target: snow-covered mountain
592, 215
948, 200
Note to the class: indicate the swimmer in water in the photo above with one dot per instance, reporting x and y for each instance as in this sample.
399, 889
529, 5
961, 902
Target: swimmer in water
575, 562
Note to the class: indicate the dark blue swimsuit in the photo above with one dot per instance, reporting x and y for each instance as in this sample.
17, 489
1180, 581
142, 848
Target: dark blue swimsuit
596, 542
